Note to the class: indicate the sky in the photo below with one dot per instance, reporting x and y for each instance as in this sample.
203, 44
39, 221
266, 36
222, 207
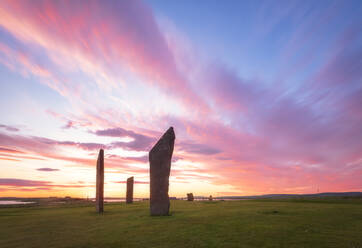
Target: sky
265, 97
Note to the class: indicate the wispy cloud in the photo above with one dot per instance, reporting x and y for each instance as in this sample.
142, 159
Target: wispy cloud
47, 169
34, 185
22, 182
9, 128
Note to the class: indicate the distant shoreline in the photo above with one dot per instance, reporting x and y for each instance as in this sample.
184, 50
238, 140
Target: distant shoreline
266, 196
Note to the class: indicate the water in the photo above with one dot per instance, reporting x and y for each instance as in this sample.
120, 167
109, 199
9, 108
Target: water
216, 199
185, 199
14, 202
120, 200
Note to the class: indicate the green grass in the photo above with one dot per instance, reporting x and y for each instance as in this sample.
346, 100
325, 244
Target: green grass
192, 224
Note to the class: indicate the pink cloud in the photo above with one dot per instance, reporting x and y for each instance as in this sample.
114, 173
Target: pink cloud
7, 150
9, 128
34, 185
140, 142
119, 32
9, 159
18, 157
194, 148
22, 182
69, 124
47, 169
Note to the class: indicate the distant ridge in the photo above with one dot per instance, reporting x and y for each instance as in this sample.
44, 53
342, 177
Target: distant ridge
279, 196
267, 196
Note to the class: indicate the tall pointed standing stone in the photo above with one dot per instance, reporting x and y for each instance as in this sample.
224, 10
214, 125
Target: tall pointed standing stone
129, 196
100, 182
160, 164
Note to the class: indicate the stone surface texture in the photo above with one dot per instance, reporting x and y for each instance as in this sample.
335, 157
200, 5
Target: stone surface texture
160, 158
190, 197
100, 182
129, 195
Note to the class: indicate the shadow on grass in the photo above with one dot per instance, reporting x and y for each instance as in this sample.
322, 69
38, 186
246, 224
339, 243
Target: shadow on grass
270, 212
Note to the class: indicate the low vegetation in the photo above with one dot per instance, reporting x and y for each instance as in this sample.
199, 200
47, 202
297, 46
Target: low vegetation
247, 223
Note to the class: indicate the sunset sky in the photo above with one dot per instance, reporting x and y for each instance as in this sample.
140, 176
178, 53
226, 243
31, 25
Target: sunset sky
264, 96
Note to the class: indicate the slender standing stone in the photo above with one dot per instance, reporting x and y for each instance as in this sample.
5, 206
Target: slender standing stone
190, 197
210, 198
160, 165
100, 182
129, 196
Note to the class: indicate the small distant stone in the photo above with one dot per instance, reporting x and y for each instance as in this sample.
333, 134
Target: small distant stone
190, 197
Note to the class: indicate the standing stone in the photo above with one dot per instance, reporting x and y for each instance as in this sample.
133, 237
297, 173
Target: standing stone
100, 182
129, 196
210, 198
160, 165
190, 197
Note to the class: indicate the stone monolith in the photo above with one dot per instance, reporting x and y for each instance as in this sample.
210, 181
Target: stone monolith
129, 196
210, 198
160, 164
190, 197
100, 182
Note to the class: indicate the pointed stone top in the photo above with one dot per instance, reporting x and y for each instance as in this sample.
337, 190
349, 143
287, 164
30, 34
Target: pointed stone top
169, 134
166, 142
101, 151
130, 178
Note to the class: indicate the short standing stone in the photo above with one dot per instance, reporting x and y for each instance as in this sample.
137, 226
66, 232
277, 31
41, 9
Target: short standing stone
100, 182
160, 164
129, 196
210, 198
190, 197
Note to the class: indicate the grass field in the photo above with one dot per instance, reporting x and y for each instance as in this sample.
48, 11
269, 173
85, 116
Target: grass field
248, 223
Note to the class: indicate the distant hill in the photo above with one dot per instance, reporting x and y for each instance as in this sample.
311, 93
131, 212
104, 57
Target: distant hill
268, 196
282, 196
